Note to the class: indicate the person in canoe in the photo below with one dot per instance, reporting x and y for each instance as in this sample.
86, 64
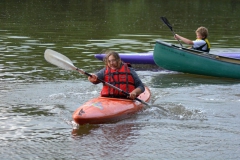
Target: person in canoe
120, 75
201, 43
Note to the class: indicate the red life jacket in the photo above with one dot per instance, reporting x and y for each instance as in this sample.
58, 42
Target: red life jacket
121, 78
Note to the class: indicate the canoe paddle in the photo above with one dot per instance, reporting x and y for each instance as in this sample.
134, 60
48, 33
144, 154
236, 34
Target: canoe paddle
164, 19
64, 62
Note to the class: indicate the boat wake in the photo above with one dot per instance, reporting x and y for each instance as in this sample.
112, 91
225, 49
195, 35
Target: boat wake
174, 111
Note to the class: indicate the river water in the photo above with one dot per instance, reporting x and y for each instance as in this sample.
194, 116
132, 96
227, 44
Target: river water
38, 99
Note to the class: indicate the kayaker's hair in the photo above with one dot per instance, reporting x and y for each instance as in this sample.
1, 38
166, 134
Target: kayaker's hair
203, 31
108, 54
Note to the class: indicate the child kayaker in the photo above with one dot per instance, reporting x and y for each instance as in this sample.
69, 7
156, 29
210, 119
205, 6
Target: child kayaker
120, 75
201, 43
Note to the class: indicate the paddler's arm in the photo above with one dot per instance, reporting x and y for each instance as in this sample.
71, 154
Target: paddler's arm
94, 78
139, 87
185, 40
135, 93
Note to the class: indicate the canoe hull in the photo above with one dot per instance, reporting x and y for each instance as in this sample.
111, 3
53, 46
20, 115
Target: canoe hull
133, 58
185, 60
104, 110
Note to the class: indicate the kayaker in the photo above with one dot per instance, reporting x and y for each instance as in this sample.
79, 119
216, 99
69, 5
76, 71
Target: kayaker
201, 43
120, 75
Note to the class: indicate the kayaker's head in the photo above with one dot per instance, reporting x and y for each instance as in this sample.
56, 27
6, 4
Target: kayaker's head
202, 33
112, 59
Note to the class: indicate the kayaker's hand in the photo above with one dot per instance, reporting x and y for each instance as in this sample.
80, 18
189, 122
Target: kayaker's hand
132, 95
92, 78
176, 36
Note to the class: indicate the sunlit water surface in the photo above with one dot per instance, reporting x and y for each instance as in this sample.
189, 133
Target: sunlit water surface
192, 117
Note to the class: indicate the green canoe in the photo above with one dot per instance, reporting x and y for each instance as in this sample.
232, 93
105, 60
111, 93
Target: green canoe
185, 60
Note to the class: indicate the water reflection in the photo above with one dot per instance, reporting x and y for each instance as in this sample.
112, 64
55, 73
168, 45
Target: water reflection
106, 139
38, 99
81, 131
175, 79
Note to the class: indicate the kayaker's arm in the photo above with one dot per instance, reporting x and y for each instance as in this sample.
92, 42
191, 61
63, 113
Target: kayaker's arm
138, 83
99, 74
136, 92
185, 40
93, 79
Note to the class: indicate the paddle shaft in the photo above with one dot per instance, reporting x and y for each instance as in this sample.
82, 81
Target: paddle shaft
165, 21
110, 85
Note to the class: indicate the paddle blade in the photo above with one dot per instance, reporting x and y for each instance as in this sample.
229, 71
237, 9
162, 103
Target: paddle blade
164, 19
59, 60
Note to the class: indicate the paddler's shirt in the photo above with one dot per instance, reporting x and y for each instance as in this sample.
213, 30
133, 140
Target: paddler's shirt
138, 82
201, 45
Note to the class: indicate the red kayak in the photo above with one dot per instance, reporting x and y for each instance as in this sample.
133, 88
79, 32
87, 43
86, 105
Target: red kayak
104, 109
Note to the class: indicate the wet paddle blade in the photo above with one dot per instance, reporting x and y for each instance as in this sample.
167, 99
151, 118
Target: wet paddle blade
164, 19
59, 60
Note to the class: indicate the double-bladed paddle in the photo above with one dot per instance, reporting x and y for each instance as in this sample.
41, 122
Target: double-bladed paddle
64, 62
164, 19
